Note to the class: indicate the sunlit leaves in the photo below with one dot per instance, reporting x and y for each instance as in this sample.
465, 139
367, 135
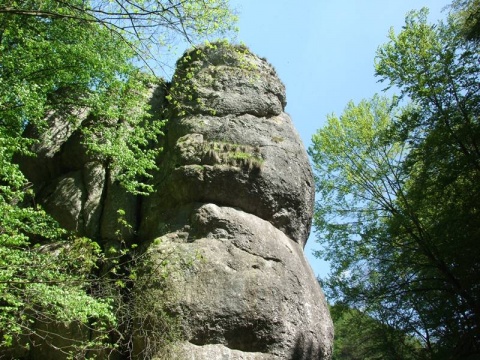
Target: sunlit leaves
467, 14
149, 28
54, 57
125, 132
354, 163
397, 213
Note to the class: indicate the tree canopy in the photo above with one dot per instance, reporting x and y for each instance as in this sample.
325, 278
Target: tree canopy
361, 337
398, 182
56, 56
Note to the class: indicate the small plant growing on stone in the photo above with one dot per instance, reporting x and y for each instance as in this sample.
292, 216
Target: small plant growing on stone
236, 155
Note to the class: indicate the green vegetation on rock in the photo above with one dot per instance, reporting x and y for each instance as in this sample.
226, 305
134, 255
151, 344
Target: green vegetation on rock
243, 156
219, 56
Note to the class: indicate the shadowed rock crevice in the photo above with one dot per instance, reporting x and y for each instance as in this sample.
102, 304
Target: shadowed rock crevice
250, 337
304, 349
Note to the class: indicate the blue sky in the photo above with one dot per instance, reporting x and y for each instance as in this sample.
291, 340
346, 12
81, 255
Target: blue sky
324, 52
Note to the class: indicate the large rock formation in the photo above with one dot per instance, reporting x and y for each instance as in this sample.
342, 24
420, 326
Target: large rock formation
234, 194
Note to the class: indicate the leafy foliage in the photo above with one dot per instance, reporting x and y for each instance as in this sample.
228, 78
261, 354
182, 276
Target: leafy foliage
147, 28
399, 188
40, 285
360, 337
122, 136
55, 56
467, 13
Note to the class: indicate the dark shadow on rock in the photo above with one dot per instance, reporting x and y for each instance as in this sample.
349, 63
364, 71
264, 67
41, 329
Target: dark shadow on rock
305, 350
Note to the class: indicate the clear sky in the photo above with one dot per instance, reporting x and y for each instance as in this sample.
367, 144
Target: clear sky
324, 52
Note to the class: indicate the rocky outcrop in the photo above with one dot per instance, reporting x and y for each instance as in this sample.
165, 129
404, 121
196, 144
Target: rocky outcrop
234, 192
234, 145
252, 291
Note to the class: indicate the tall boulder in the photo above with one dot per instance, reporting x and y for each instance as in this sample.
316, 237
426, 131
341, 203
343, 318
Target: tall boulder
236, 187
233, 197
233, 144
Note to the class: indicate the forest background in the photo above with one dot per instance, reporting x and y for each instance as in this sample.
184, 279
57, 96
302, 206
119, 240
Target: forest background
397, 180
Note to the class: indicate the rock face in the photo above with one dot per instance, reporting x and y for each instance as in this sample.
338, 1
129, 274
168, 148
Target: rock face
252, 292
235, 191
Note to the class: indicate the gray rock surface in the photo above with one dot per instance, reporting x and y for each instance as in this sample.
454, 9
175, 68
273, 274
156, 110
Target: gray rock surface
236, 187
252, 290
250, 157
234, 194
228, 81
218, 351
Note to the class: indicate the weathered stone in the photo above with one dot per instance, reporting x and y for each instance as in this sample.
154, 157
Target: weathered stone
117, 199
63, 198
189, 351
255, 163
251, 291
227, 80
233, 198
46, 164
74, 199
236, 187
